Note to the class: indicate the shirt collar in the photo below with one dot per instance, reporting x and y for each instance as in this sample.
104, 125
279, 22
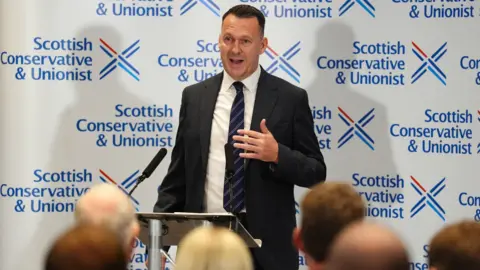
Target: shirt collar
250, 82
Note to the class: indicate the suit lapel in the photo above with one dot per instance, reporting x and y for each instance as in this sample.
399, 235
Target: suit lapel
207, 107
265, 100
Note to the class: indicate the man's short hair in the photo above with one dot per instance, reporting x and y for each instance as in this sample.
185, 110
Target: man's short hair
86, 247
456, 246
247, 11
327, 209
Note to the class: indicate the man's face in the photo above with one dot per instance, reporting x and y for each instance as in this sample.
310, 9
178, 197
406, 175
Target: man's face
241, 44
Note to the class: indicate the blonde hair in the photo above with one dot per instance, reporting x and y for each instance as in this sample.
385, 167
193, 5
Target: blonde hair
213, 248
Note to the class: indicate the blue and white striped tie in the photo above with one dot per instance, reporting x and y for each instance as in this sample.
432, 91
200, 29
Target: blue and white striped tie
237, 116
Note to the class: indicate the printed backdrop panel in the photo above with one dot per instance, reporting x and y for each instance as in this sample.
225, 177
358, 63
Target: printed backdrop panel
90, 91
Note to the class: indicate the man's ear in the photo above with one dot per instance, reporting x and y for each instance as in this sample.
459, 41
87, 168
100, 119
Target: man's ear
297, 239
264, 45
136, 230
135, 233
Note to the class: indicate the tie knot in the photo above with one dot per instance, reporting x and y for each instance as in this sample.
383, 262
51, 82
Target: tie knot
238, 86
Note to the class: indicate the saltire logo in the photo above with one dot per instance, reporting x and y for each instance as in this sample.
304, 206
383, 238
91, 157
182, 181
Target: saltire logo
124, 186
210, 4
282, 61
429, 63
428, 198
119, 60
356, 128
478, 145
365, 4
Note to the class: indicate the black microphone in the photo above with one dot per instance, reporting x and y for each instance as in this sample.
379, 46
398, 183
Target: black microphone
229, 170
150, 168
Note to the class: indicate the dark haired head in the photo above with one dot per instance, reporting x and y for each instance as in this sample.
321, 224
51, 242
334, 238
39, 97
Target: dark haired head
247, 11
456, 246
87, 246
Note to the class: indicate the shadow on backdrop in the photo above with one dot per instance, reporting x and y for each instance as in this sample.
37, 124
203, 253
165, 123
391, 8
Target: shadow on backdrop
334, 40
72, 149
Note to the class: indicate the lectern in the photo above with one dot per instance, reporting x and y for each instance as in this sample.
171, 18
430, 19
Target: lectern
167, 229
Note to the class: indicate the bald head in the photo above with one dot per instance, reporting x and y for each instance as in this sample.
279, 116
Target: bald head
363, 246
107, 205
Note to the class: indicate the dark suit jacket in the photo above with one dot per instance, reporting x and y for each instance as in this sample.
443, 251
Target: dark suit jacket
270, 202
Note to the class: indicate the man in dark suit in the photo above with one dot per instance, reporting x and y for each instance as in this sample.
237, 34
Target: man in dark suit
269, 123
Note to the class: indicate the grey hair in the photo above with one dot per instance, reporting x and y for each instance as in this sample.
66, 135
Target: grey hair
107, 205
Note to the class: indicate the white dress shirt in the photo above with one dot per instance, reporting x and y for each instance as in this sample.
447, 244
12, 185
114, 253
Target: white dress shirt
214, 185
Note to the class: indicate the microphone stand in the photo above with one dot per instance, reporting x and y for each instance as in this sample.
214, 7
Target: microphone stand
229, 176
138, 182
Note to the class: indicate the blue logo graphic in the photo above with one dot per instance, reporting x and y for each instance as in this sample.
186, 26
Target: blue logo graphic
356, 128
428, 198
210, 4
365, 4
297, 208
124, 186
119, 60
282, 61
429, 63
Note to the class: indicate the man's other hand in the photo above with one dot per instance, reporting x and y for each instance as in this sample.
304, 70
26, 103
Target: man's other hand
259, 145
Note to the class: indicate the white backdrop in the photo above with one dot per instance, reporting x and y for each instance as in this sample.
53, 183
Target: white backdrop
387, 81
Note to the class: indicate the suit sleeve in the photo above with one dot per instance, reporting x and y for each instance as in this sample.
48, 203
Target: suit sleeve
171, 193
303, 164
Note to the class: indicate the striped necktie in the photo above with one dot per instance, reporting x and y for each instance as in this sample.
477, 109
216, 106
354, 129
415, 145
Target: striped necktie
234, 195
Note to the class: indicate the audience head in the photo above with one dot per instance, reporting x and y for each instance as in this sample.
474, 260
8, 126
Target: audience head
456, 246
326, 209
86, 247
107, 205
213, 248
367, 246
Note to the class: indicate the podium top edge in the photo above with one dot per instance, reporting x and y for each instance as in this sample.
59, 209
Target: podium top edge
153, 215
